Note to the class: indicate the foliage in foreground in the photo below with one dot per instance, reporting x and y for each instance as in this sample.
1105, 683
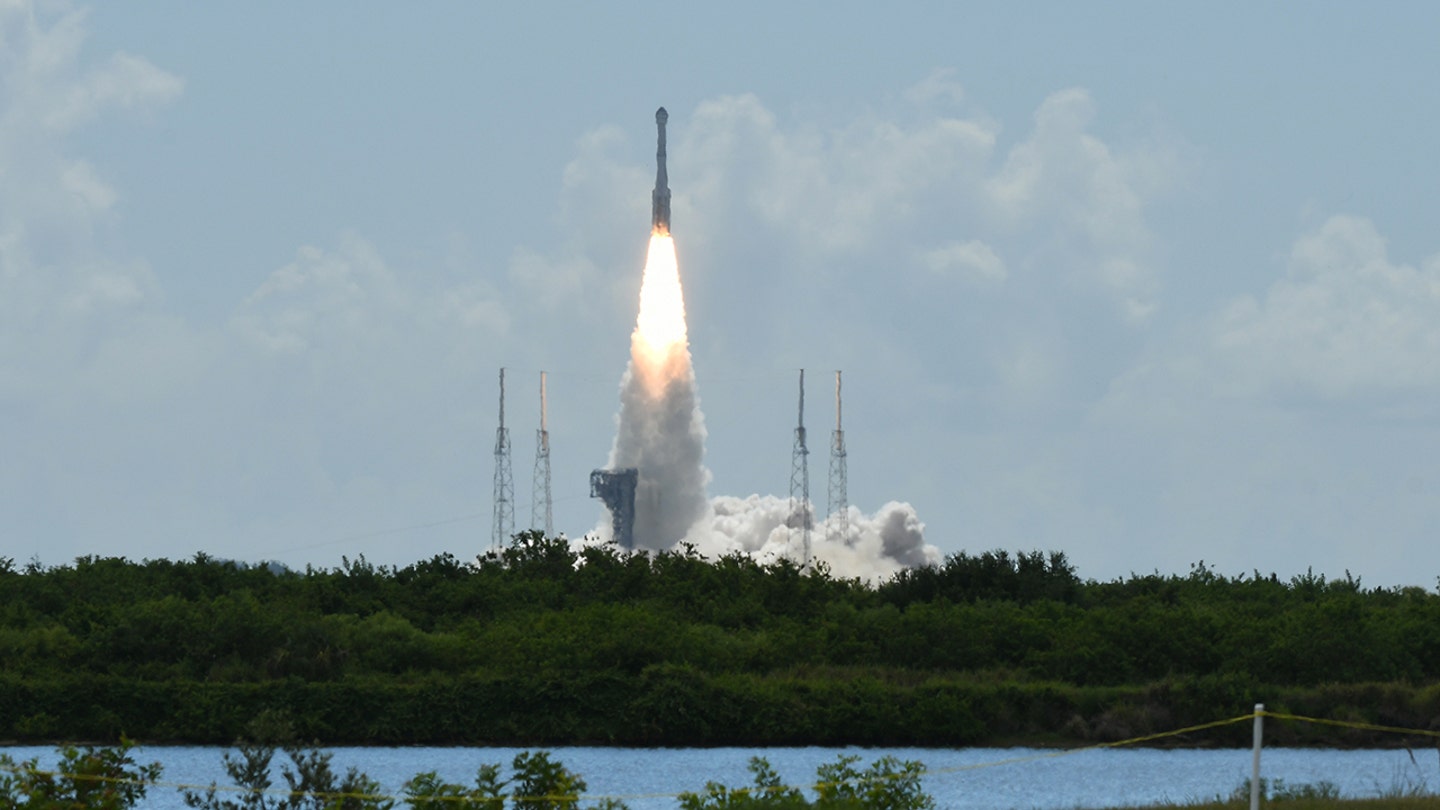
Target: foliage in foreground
110, 779
96, 778
888, 784
536, 783
310, 782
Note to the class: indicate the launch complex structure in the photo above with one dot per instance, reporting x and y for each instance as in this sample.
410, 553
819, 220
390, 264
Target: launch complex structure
616, 487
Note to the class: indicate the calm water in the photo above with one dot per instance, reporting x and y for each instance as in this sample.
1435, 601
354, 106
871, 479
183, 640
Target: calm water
963, 779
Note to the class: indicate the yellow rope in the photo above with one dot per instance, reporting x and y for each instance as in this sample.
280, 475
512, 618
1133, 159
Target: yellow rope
1098, 746
1350, 724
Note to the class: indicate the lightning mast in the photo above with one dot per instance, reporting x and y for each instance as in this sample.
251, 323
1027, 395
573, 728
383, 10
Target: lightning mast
540, 501
838, 526
800, 517
504, 522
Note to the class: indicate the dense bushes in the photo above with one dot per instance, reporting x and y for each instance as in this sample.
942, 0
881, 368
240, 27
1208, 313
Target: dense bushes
544, 645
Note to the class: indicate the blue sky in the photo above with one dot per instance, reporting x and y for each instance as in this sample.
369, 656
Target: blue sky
1146, 283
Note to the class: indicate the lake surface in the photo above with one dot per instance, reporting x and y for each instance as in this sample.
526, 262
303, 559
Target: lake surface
959, 779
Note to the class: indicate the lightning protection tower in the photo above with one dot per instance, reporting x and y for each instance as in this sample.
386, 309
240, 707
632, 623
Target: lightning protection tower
838, 526
504, 523
540, 502
800, 516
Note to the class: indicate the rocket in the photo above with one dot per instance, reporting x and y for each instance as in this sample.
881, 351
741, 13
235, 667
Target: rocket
660, 197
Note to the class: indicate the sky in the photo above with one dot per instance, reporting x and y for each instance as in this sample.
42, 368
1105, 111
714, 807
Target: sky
1149, 284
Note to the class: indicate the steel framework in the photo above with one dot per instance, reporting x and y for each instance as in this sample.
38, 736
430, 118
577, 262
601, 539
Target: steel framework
541, 513
617, 489
800, 511
837, 527
503, 526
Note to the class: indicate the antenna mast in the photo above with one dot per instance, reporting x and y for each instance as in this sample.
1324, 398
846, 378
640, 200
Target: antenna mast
838, 527
540, 501
504, 523
800, 516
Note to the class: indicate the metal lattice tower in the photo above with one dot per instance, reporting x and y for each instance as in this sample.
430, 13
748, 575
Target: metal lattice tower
800, 516
540, 502
838, 526
617, 489
504, 523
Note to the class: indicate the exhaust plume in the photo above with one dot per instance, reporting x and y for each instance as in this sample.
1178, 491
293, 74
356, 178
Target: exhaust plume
873, 547
660, 430
661, 433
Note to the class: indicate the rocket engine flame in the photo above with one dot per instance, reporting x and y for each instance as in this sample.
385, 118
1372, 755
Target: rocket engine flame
659, 348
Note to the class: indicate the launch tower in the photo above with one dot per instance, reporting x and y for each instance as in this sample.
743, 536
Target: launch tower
838, 526
503, 526
800, 513
617, 489
541, 515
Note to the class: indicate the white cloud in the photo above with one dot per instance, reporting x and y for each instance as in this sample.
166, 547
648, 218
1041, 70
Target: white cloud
555, 283
1066, 180
972, 260
123, 82
477, 307
1345, 321
941, 85
79, 179
108, 288
349, 297
50, 202
62, 295
321, 297
827, 190
1061, 203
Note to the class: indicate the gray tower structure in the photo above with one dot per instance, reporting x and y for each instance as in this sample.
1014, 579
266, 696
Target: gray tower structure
800, 513
838, 525
617, 489
503, 526
541, 511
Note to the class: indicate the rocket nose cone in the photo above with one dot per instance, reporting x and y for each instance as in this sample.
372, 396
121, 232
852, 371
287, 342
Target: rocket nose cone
661, 116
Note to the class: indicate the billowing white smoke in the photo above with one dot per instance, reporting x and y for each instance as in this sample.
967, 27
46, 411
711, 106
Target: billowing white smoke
664, 438
661, 433
867, 546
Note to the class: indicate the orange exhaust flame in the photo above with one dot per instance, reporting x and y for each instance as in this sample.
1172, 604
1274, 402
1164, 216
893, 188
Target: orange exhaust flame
659, 347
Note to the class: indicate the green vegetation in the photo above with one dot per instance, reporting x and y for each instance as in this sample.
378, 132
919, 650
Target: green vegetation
541, 645
888, 784
96, 778
109, 779
310, 783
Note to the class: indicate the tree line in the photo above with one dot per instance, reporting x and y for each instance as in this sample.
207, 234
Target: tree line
545, 644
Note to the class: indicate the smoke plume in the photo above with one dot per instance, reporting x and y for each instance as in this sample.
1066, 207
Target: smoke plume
661, 433
660, 430
866, 546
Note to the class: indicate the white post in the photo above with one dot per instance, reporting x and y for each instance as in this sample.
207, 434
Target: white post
1255, 763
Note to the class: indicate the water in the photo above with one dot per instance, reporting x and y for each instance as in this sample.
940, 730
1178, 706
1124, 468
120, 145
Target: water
959, 779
